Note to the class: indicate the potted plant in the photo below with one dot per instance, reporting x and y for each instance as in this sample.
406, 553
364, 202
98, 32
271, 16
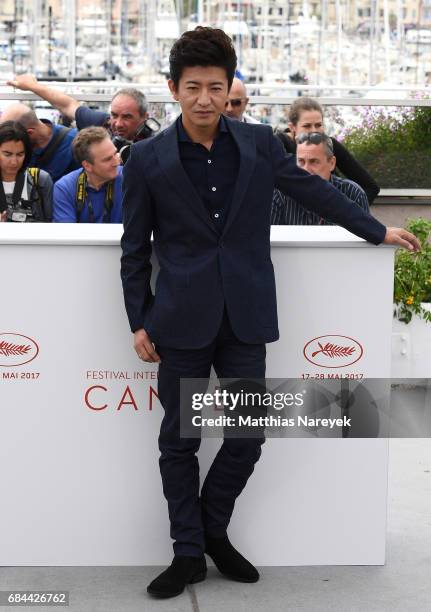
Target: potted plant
412, 283
411, 333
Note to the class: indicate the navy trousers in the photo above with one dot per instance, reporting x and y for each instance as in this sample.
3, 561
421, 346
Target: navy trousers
192, 515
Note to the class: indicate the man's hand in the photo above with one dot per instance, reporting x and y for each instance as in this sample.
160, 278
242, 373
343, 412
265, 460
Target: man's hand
401, 237
144, 347
26, 82
3, 216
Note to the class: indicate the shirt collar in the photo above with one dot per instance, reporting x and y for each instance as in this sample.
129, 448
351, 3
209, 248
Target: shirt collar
184, 137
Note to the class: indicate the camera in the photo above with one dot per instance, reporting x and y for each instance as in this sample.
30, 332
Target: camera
21, 213
147, 129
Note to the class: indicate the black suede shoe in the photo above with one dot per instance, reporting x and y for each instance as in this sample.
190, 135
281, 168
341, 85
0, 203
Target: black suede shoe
183, 570
229, 561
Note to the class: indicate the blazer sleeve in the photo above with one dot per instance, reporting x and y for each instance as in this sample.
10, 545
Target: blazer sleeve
138, 219
353, 170
318, 195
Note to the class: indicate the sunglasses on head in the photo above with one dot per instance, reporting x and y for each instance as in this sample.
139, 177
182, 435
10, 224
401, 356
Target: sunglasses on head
234, 102
315, 138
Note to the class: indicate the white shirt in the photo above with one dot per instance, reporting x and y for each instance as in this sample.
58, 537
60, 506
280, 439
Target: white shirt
248, 119
9, 186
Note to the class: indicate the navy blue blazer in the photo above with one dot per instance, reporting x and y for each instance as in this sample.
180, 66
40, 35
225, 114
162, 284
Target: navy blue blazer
201, 270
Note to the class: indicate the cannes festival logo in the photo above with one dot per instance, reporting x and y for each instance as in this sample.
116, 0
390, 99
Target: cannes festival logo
16, 350
333, 351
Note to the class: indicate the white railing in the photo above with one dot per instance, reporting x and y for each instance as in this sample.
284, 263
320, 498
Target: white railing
268, 100
90, 96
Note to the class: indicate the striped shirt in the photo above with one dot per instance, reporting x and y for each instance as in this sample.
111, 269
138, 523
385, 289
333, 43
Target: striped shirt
286, 211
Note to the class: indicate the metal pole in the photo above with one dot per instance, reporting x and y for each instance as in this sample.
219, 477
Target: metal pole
200, 12
239, 8
372, 34
71, 13
387, 39
265, 39
108, 14
289, 38
321, 46
124, 26
400, 37
418, 25
339, 31
37, 24
50, 41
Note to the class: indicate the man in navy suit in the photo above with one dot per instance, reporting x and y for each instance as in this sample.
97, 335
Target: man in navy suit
204, 188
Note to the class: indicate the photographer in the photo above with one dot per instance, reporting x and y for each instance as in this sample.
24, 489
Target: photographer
91, 194
25, 193
128, 120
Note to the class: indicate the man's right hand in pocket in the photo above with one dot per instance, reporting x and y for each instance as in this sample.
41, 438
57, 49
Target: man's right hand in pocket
144, 347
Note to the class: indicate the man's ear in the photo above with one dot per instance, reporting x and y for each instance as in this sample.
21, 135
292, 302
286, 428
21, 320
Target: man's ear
333, 163
173, 89
291, 127
86, 165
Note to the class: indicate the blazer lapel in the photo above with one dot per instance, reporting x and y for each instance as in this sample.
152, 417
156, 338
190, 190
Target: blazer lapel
168, 155
245, 141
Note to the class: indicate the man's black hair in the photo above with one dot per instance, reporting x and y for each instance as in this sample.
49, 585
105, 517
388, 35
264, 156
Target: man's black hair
202, 47
14, 131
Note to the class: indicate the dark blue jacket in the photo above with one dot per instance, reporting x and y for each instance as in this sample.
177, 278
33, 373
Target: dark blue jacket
201, 271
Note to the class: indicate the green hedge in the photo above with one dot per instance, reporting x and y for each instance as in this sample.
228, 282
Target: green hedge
396, 149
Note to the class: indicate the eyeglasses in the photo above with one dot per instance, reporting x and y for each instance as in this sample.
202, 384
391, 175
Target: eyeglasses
234, 102
315, 138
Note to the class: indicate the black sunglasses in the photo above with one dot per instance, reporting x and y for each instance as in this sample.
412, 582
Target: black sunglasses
315, 138
234, 102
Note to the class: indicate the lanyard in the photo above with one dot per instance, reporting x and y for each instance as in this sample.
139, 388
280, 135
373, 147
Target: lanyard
82, 196
17, 191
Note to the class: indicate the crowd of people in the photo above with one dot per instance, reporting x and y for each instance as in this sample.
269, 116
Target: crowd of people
53, 173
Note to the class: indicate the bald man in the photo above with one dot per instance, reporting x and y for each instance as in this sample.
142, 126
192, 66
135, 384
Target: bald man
237, 101
52, 144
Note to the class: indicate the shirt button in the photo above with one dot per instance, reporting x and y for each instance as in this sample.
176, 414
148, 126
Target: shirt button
209, 161
216, 215
213, 188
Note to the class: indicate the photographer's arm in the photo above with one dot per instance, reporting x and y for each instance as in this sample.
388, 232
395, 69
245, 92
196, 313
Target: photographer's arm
59, 100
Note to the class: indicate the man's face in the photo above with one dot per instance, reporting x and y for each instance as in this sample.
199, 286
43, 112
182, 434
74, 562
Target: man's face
313, 159
237, 101
309, 121
202, 93
105, 161
125, 117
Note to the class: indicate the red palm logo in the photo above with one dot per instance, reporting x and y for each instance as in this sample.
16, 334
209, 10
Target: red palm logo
17, 349
333, 351
6, 349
